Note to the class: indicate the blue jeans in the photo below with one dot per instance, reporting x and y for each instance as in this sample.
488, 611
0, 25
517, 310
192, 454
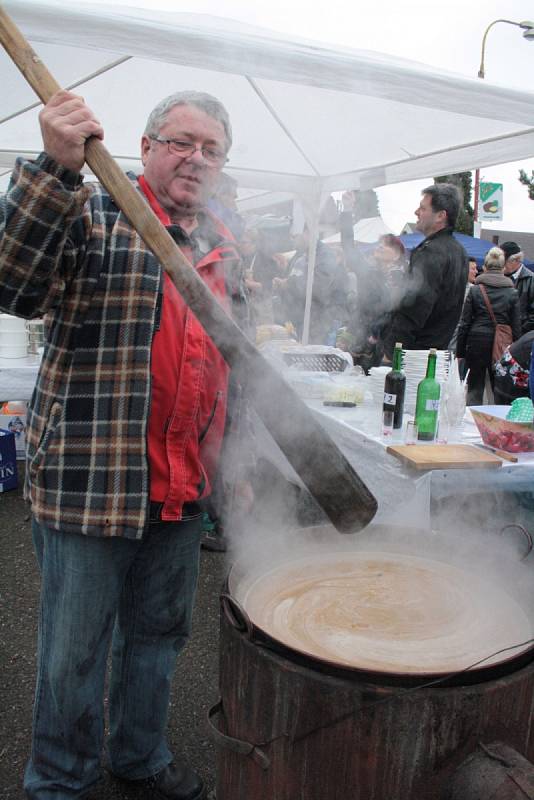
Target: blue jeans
136, 596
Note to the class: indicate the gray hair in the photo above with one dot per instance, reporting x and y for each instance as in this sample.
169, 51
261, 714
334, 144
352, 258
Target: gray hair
205, 102
494, 260
445, 197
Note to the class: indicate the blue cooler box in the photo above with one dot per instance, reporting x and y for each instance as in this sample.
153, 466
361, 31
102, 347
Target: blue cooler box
8, 461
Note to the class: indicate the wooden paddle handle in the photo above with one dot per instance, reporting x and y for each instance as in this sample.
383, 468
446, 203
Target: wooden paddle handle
320, 464
26, 59
97, 156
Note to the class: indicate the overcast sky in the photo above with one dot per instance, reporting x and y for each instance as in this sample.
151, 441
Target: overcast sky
446, 35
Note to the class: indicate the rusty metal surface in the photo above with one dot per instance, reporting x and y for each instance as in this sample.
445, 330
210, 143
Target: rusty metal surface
329, 738
494, 772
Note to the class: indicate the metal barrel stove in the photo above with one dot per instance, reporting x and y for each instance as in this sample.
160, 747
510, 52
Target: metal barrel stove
287, 731
290, 726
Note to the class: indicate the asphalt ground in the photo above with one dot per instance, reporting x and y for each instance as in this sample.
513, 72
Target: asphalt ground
195, 683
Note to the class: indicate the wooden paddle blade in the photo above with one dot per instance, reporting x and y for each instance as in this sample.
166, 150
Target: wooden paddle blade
322, 467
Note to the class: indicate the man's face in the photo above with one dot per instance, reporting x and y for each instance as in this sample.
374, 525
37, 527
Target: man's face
183, 185
428, 220
472, 271
513, 263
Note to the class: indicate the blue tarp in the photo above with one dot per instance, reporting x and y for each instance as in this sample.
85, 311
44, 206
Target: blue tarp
475, 248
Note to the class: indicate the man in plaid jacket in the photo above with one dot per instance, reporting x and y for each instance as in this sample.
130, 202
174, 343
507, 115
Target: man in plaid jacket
124, 432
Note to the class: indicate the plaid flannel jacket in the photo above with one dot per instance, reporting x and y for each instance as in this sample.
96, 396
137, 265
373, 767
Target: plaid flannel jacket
67, 254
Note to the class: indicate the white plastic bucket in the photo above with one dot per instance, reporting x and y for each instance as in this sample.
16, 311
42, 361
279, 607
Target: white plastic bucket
11, 324
13, 344
13, 351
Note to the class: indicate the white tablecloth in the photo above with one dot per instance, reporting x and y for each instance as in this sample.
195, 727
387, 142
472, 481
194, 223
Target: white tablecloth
402, 493
405, 496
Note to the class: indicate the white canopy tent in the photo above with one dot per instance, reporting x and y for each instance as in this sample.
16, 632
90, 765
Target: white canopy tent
307, 119
367, 230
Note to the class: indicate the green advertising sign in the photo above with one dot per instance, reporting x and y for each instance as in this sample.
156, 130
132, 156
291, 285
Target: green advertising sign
490, 201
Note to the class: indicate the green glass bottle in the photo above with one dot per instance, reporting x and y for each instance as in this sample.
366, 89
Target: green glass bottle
427, 405
395, 388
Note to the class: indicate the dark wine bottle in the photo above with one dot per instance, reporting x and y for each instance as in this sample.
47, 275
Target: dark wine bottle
395, 388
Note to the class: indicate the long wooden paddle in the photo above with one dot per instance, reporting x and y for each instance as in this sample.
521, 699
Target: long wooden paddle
320, 464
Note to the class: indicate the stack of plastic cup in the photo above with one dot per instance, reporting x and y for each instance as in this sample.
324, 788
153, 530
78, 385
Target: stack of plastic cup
13, 337
35, 329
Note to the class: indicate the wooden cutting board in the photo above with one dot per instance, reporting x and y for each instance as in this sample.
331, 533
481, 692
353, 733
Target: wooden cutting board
444, 456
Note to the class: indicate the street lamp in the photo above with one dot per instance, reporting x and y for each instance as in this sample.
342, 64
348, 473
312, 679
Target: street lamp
528, 34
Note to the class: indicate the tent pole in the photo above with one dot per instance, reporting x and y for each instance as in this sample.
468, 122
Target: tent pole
312, 210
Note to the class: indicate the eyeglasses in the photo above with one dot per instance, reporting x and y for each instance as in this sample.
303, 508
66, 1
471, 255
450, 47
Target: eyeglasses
214, 157
515, 259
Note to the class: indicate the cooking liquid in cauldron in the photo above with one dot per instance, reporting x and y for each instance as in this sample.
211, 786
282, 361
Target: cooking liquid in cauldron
400, 614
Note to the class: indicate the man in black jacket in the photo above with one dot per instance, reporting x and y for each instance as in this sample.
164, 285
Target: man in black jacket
523, 280
433, 294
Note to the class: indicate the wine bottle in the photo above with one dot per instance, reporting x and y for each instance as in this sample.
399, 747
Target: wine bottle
427, 404
395, 388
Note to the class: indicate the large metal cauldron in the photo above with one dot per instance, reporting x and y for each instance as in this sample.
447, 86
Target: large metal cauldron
290, 727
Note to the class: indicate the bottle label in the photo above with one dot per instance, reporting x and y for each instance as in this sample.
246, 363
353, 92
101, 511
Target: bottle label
389, 399
432, 405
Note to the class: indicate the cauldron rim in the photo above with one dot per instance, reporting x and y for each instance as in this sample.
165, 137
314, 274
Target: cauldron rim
264, 638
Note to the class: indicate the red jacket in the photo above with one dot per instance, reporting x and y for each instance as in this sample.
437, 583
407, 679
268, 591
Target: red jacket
189, 384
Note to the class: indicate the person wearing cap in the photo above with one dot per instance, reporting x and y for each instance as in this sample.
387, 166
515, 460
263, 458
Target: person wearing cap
523, 281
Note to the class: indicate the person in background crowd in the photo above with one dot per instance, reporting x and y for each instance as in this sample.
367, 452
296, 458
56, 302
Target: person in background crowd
224, 206
352, 281
124, 431
379, 280
471, 277
434, 285
261, 246
523, 281
390, 257
246, 244
512, 371
476, 330
472, 272
247, 249
329, 289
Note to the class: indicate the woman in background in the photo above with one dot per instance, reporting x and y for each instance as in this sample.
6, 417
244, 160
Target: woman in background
476, 330
379, 279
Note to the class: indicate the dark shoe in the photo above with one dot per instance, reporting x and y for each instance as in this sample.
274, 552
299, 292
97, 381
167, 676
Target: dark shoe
176, 782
